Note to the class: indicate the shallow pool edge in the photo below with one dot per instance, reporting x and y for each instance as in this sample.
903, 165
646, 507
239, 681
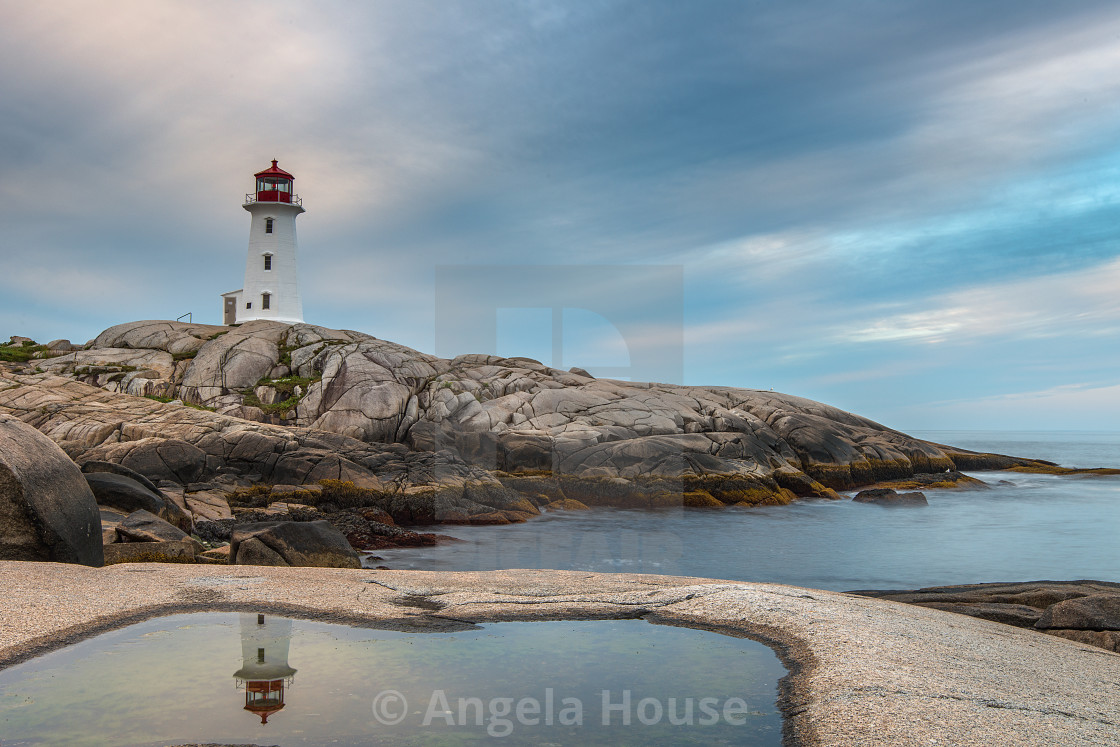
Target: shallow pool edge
860, 669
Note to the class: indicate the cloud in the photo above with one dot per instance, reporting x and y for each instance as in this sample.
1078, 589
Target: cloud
846, 190
1081, 406
1081, 304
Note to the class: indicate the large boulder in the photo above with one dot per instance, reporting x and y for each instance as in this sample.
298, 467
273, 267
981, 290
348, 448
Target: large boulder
289, 543
47, 511
128, 495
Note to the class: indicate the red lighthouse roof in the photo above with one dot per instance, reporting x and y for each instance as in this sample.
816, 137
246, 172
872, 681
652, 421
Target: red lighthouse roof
273, 185
274, 171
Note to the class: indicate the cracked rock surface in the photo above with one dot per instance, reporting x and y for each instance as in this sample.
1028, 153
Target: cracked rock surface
863, 671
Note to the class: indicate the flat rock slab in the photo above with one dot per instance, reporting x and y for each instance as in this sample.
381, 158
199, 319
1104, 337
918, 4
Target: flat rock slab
863, 671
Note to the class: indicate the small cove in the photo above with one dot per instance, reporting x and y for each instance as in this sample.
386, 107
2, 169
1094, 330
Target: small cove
217, 677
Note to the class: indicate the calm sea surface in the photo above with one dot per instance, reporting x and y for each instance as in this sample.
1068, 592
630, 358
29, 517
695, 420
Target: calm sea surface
1023, 527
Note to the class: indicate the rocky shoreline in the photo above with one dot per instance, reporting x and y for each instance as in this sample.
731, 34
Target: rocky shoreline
280, 404
214, 430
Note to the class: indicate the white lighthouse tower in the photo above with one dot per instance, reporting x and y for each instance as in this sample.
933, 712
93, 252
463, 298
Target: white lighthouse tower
271, 289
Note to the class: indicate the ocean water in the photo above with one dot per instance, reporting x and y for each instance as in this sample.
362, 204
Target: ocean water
1067, 448
1020, 528
184, 679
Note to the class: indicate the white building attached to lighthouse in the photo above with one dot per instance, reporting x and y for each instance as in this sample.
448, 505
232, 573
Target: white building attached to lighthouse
271, 289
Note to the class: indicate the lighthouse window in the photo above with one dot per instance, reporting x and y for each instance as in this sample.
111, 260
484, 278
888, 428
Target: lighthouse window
266, 298
268, 262
267, 227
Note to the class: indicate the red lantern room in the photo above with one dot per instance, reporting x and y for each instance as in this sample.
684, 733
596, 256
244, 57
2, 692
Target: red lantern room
274, 185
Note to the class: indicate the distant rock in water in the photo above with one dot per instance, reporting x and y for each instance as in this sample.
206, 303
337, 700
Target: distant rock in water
888, 497
475, 439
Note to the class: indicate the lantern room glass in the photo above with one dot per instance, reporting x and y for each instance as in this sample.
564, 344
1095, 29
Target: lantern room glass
274, 189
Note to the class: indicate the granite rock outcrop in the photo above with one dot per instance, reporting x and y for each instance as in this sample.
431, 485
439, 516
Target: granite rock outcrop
437, 438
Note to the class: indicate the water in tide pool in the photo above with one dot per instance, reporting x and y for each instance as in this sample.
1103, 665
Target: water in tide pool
1022, 528
233, 679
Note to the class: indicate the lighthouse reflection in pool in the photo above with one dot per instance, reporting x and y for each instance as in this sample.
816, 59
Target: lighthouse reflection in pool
248, 678
265, 671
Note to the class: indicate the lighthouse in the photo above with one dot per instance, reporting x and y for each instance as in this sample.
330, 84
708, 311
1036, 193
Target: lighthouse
271, 289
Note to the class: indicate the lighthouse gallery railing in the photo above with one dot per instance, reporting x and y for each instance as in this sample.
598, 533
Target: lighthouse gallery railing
252, 197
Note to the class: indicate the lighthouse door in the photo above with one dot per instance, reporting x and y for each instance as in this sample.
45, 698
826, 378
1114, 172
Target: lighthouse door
231, 311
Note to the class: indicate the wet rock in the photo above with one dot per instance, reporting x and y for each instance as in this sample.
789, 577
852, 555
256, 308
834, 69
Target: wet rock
950, 479
364, 531
377, 515
888, 497
566, 504
287, 543
47, 511
701, 499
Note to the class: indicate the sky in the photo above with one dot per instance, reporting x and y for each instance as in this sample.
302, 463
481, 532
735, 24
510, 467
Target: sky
909, 210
